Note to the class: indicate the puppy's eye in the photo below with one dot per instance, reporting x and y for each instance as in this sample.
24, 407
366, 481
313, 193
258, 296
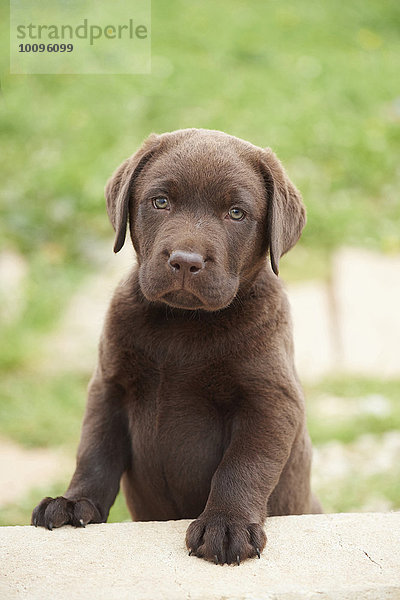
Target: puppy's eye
161, 203
237, 214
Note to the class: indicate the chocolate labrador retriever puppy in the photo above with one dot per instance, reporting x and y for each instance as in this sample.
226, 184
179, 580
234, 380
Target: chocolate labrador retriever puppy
195, 402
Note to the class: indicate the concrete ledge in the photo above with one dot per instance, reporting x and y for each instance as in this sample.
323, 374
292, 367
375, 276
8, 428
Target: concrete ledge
341, 556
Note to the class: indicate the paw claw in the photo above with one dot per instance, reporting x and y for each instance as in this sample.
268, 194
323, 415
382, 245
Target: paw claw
190, 552
223, 538
55, 512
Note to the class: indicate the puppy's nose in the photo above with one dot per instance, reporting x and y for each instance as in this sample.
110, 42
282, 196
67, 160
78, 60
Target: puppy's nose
188, 262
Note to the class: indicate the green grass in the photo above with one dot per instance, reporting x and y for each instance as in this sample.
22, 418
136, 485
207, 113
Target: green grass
43, 410
357, 491
46, 293
316, 83
347, 425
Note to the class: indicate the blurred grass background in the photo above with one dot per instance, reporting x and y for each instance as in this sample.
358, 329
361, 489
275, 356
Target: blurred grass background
316, 81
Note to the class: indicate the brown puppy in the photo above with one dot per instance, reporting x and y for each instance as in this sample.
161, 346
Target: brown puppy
195, 402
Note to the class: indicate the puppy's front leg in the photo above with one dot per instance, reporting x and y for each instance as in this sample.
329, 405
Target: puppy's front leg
230, 529
103, 454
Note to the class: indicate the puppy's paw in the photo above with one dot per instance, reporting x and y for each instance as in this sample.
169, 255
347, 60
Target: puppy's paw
54, 512
222, 538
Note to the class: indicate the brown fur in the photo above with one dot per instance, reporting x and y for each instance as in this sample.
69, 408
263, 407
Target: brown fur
195, 402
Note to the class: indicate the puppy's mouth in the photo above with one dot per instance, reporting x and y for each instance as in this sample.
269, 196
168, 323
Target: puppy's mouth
209, 294
182, 299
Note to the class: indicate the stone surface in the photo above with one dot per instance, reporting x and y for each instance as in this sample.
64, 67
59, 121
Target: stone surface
313, 329
342, 556
367, 299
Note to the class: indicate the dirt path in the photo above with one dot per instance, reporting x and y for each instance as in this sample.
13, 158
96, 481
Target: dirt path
22, 469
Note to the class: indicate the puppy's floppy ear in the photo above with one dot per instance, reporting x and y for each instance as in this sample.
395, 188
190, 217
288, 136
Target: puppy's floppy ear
286, 215
119, 187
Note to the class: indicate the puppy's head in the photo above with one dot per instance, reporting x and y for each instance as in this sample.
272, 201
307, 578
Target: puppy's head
203, 208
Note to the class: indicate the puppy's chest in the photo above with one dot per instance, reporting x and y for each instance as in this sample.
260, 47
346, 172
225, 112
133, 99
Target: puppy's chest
180, 420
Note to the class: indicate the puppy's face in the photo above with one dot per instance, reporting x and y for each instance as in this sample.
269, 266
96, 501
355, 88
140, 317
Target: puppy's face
197, 222
201, 212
